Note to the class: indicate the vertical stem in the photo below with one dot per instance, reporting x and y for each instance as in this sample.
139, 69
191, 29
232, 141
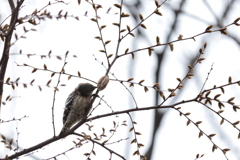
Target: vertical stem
7, 45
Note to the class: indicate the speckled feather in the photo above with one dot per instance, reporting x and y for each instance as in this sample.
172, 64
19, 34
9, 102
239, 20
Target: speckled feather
68, 104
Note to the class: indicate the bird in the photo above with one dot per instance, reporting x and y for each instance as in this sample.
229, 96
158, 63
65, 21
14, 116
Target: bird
77, 105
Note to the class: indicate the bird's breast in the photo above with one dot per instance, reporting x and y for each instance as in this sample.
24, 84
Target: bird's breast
80, 103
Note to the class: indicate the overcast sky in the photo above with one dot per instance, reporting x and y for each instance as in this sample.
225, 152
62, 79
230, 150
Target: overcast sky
174, 139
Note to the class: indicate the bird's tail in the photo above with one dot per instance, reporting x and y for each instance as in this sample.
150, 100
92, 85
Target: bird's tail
64, 129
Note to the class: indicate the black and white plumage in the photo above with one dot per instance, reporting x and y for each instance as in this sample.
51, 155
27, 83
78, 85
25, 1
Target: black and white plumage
77, 106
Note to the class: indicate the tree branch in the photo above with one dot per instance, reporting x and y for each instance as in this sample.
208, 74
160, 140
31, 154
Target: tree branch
7, 45
70, 132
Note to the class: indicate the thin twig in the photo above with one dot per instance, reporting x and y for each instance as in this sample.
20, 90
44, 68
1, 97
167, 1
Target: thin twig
100, 144
177, 40
206, 79
135, 140
201, 131
186, 76
17, 140
142, 20
95, 7
14, 119
118, 42
54, 94
24, 65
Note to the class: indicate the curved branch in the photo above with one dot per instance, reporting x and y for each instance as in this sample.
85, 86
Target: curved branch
70, 132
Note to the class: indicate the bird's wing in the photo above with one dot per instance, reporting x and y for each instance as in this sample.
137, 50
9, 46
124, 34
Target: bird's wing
68, 104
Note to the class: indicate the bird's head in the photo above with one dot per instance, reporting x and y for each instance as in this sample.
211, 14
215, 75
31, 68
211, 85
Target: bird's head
85, 89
